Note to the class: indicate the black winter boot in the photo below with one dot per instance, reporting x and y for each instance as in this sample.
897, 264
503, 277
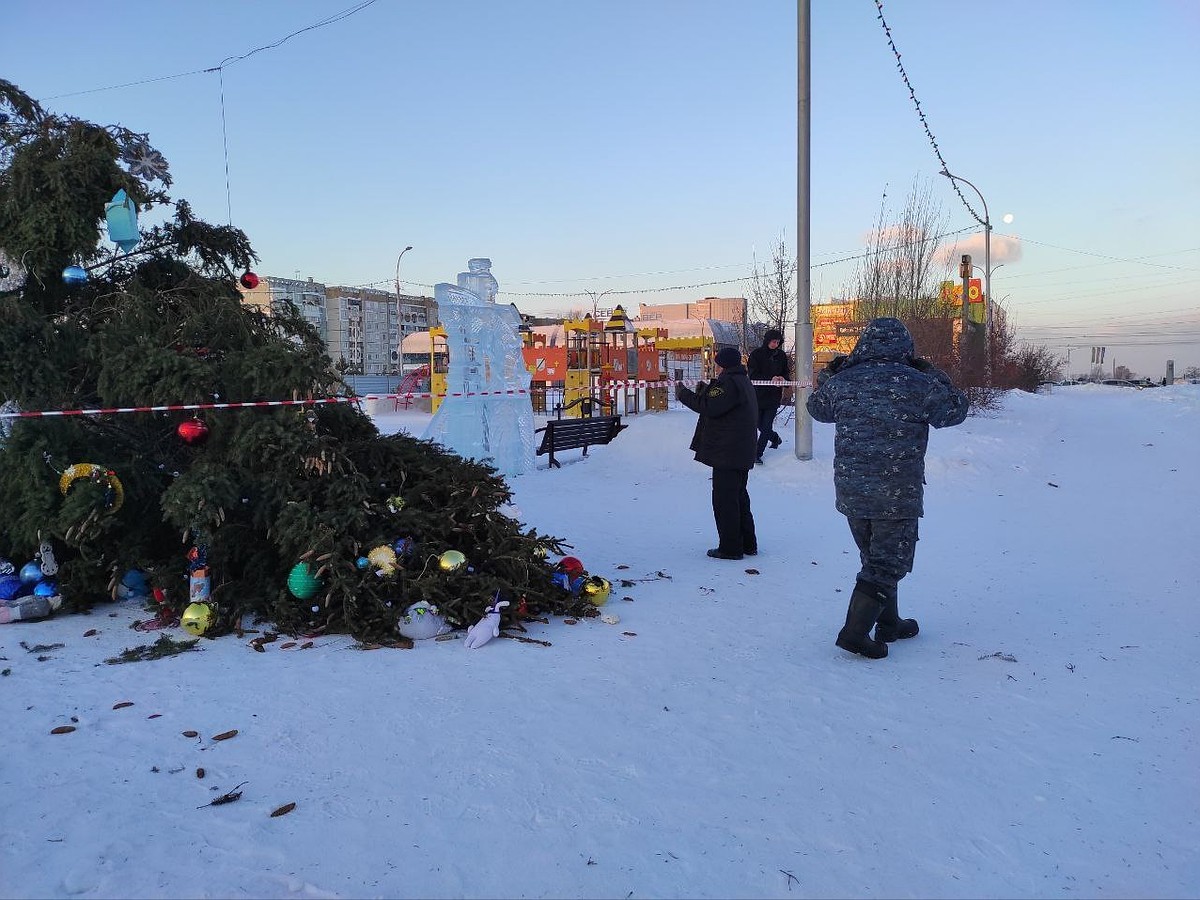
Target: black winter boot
890, 626
866, 603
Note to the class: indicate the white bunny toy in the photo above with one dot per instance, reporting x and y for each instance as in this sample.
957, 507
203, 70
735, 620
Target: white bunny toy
486, 628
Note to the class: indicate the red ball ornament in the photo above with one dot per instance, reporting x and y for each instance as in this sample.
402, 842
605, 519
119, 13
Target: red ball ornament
248, 280
193, 431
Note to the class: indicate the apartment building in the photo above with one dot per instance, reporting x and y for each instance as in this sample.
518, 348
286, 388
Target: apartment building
362, 327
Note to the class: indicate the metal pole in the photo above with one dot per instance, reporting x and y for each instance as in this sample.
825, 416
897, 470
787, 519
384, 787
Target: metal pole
399, 316
804, 328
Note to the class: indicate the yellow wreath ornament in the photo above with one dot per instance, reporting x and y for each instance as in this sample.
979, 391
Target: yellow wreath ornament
97, 473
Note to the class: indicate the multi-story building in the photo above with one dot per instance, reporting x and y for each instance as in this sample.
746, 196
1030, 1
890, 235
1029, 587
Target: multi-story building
723, 309
307, 296
362, 327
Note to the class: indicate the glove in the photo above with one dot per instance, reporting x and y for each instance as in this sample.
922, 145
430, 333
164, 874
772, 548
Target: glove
921, 365
486, 628
678, 390
835, 365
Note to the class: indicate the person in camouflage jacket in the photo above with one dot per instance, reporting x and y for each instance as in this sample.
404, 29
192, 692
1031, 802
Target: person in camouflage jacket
883, 400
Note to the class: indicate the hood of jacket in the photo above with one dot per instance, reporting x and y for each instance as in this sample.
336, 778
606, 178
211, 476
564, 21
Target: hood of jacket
883, 339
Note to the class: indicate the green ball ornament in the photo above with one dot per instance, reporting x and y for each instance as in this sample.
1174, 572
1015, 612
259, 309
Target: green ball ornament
302, 583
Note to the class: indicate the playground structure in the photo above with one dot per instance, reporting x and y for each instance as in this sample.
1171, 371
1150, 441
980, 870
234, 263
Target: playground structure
602, 367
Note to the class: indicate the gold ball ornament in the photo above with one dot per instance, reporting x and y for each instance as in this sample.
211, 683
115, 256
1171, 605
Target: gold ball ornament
197, 618
114, 490
597, 590
383, 558
451, 561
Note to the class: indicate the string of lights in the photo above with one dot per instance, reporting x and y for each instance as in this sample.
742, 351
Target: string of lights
937, 151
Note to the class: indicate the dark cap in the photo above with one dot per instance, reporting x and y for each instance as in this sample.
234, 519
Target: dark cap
728, 356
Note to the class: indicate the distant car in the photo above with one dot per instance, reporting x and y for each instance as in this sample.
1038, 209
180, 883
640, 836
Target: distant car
1145, 382
1121, 382
1069, 382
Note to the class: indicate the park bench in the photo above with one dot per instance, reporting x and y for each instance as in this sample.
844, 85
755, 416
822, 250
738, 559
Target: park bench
574, 434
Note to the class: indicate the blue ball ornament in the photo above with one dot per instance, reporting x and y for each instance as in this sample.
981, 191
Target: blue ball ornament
362, 562
31, 573
74, 275
10, 586
45, 589
133, 585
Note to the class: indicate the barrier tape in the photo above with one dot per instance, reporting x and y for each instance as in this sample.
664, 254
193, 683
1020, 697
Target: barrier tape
610, 387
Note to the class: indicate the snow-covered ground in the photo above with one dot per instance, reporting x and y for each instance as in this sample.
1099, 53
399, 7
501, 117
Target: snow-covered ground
1037, 739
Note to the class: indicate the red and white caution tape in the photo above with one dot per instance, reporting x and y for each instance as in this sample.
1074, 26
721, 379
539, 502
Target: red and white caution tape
609, 387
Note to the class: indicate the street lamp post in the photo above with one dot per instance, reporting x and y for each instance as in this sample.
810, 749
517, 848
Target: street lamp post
399, 316
986, 222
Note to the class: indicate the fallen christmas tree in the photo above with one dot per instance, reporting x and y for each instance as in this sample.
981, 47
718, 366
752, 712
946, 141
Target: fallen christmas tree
301, 514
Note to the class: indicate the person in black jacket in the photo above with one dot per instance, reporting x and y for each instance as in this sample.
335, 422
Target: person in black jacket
769, 363
725, 440
883, 399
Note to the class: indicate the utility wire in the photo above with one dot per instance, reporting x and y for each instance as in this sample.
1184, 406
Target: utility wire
229, 60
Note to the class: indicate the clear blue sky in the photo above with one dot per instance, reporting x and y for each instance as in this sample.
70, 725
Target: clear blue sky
633, 145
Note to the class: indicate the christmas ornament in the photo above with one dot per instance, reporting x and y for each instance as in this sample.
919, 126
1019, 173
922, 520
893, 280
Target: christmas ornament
488, 627
395, 504
248, 280
145, 162
114, 491
540, 551
567, 583
383, 558
302, 582
571, 565
31, 573
421, 621
596, 590
192, 431
12, 275
74, 275
45, 589
46, 560
197, 618
120, 213
9, 409
451, 561
362, 562
10, 587
405, 547
6, 567
132, 586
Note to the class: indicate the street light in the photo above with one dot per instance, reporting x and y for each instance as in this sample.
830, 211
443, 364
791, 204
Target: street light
986, 222
399, 314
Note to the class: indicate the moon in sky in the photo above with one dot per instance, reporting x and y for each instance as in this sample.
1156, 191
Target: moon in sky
1008, 217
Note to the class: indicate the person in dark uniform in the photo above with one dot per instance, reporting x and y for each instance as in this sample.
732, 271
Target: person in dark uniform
769, 363
725, 438
883, 400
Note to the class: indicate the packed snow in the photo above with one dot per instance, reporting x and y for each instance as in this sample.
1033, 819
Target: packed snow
1037, 739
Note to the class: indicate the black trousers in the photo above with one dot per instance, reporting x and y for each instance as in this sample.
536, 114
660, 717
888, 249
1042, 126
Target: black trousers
886, 549
766, 426
731, 509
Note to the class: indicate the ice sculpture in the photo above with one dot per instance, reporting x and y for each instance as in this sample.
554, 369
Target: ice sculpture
485, 359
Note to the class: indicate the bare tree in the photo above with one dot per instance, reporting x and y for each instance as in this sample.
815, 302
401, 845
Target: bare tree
902, 270
771, 300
